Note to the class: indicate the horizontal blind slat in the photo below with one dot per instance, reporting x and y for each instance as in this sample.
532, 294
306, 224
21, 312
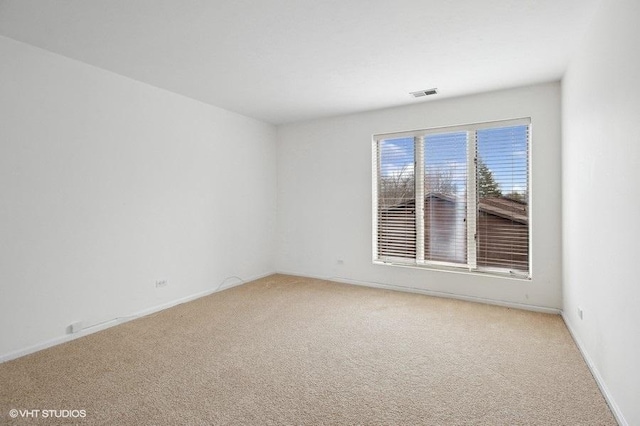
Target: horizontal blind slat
502, 223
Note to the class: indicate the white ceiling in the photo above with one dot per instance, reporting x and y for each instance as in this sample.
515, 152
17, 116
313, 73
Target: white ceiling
289, 60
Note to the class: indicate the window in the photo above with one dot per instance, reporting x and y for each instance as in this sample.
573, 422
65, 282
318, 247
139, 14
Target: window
455, 197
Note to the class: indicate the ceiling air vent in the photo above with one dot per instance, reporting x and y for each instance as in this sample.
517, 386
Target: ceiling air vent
421, 93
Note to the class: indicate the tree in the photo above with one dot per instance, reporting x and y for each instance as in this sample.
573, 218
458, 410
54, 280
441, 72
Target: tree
487, 185
440, 182
397, 188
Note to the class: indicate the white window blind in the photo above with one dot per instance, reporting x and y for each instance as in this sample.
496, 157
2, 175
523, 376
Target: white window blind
503, 210
454, 197
445, 197
396, 199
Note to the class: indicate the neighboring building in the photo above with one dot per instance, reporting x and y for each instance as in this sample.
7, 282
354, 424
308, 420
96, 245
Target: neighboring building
502, 231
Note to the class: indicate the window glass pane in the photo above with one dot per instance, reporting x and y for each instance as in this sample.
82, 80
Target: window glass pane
448, 212
396, 199
502, 188
445, 203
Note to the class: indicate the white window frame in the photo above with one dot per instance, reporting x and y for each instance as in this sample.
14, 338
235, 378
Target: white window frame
471, 265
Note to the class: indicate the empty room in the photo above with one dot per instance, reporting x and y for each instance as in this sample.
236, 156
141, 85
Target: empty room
319, 212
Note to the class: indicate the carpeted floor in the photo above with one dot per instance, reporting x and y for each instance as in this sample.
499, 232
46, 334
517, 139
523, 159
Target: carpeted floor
290, 350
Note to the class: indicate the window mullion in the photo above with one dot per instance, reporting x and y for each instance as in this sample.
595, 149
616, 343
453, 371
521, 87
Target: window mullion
472, 206
377, 173
419, 193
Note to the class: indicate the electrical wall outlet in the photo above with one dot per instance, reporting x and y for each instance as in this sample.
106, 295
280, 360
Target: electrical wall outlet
161, 283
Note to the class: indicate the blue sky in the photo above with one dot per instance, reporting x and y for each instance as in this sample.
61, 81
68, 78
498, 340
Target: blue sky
508, 162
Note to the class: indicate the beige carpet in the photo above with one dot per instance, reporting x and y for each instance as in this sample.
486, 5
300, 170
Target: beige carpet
289, 350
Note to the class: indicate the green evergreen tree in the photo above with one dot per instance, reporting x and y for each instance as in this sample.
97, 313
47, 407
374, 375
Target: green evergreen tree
487, 185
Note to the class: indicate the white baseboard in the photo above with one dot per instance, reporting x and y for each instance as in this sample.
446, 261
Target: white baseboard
406, 289
121, 320
596, 375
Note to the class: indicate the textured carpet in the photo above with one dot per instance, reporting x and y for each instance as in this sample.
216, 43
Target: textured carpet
290, 350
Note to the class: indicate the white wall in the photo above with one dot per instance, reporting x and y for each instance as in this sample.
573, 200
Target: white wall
324, 195
107, 184
601, 186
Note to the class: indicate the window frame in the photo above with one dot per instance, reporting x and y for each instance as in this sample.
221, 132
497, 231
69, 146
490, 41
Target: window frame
471, 216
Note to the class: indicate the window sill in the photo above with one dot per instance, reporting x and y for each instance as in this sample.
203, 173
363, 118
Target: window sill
494, 273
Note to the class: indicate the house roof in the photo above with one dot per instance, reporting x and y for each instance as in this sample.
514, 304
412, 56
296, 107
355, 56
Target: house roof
504, 207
